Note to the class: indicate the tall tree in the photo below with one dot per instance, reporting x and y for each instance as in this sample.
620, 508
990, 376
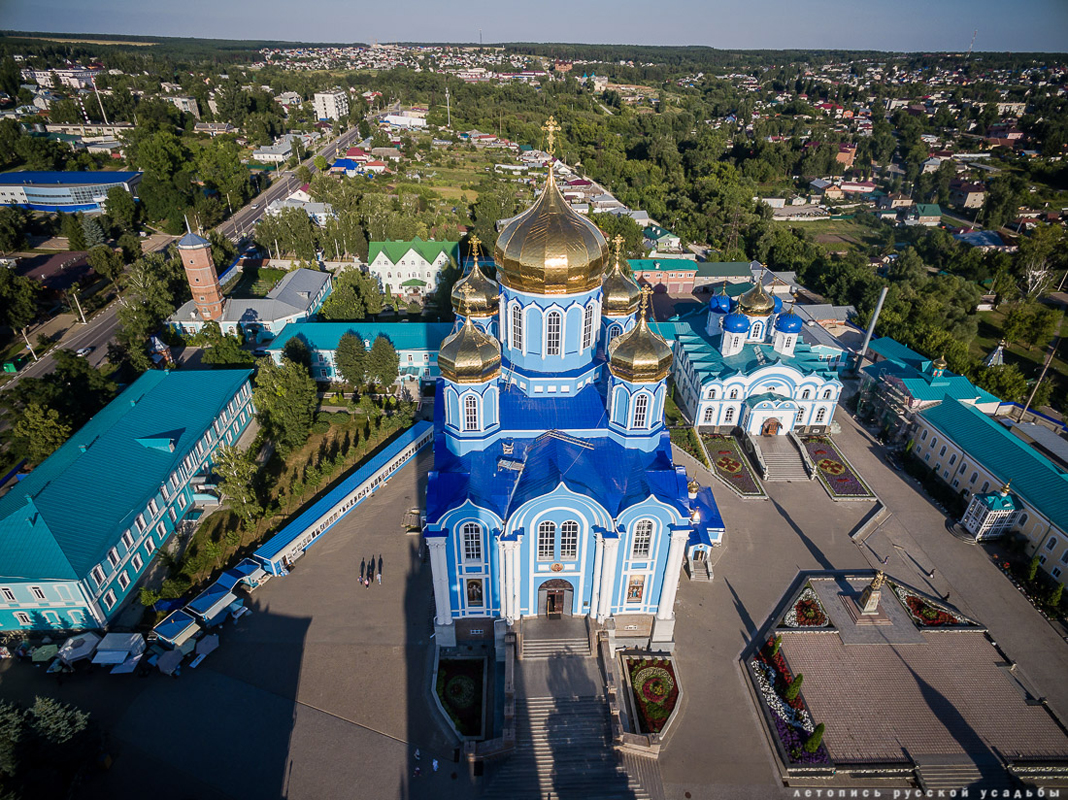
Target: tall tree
105, 262
351, 358
39, 432
121, 208
286, 398
238, 470
383, 363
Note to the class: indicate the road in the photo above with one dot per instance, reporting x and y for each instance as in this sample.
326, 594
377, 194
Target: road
285, 182
96, 334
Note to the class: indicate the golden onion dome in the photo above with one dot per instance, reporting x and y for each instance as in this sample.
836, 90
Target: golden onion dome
756, 302
469, 355
484, 296
940, 363
639, 355
621, 294
550, 249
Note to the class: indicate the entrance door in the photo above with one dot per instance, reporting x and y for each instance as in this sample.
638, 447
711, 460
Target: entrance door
554, 603
555, 598
771, 427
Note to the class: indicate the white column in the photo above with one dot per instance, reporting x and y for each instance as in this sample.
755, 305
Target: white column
595, 592
608, 577
666, 609
517, 578
503, 586
440, 572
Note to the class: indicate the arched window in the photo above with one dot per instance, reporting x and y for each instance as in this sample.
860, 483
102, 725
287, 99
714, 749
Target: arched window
709, 414
641, 410
613, 332
643, 539
569, 539
1052, 543
923, 436
986, 485
517, 327
729, 416
472, 534
805, 395
546, 541
734, 394
827, 394
735, 341
553, 324
757, 331
821, 415
587, 327
711, 394
1023, 518
974, 476
800, 415
470, 413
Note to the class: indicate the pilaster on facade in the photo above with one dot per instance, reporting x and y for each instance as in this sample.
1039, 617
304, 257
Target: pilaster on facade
608, 577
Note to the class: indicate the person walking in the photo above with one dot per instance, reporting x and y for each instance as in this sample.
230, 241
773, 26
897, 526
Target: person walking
378, 574
363, 568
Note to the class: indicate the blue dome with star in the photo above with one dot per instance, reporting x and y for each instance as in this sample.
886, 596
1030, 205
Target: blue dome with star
736, 323
789, 323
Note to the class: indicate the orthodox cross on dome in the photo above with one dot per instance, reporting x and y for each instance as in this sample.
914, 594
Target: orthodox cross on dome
646, 291
618, 242
551, 127
474, 242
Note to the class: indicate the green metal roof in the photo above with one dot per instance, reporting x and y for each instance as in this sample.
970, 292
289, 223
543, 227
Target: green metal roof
60, 521
662, 264
324, 336
395, 250
928, 210
1034, 477
414, 282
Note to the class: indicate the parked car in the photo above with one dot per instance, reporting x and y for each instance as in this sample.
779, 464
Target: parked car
84, 351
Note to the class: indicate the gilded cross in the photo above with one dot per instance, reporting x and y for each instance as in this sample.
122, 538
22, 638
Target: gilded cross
646, 291
618, 242
475, 242
550, 129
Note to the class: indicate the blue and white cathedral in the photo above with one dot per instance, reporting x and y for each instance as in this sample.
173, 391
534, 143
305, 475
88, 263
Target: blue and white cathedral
553, 491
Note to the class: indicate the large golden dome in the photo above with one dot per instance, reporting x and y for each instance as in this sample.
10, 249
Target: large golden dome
551, 249
621, 294
475, 295
639, 355
756, 302
469, 355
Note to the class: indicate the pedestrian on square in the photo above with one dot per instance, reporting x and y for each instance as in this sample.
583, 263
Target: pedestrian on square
366, 583
435, 765
378, 577
931, 573
363, 568
884, 559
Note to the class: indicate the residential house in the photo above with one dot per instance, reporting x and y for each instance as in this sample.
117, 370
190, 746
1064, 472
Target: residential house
929, 214
826, 189
671, 275
410, 269
963, 194
846, 152
661, 239
84, 527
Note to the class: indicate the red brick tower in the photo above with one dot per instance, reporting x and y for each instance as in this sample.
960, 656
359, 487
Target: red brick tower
203, 280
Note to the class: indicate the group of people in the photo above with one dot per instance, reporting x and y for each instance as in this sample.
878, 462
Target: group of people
371, 568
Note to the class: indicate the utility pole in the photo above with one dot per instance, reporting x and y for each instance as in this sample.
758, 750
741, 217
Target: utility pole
73, 292
448, 107
1045, 366
29, 346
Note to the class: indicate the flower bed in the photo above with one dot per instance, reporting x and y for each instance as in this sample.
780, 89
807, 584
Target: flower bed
686, 439
731, 465
459, 687
655, 689
793, 723
925, 613
806, 612
833, 470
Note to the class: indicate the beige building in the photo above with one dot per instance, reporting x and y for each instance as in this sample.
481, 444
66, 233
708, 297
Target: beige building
331, 105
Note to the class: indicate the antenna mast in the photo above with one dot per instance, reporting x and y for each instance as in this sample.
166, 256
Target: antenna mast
970, 46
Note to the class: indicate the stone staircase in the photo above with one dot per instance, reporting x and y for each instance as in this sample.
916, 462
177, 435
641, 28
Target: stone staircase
552, 648
700, 571
563, 751
958, 774
782, 459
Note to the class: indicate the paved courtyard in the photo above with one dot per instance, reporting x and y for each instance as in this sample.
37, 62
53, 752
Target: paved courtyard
322, 691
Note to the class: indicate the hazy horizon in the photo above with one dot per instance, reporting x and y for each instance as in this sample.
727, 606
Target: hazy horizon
906, 26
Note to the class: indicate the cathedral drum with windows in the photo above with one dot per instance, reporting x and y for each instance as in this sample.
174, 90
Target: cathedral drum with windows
553, 491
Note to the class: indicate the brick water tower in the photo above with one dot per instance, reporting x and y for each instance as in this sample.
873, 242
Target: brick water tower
200, 271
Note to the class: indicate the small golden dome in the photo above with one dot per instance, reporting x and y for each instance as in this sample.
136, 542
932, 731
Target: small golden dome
756, 302
621, 294
469, 355
639, 355
940, 362
551, 249
483, 299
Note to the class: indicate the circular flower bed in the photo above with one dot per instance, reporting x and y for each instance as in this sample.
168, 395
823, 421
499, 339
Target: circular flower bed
806, 612
655, 690
654, 684
460, 691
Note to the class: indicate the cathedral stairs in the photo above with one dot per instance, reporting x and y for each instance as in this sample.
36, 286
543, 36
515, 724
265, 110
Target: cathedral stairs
957, 773
783, 460
551, 648
700, 571
563, 751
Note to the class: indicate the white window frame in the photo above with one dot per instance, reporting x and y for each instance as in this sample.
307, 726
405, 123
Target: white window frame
641, 411
172, 514
587, 327
38, 592
150, 546
22, 618
554, 333
108, 599
127, 539
517, 326
569, 535
137, 562
113, 557
471, 535
123, 579
141, 523
9, 595
153, 507
470, 413
642, 543
729, 416
821, 415
98, 576
546, 540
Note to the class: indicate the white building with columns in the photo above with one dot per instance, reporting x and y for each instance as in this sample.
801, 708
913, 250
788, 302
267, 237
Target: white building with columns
553, 492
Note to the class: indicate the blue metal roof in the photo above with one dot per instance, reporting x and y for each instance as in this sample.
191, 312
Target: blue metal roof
63, 178
277, 543
174, 625
1034, 477
60, 521
204, 602
326, 335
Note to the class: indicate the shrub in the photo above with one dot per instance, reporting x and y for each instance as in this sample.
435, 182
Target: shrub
812, 743
776, 643
1032, 569
1056, 596
794, 689
320, 426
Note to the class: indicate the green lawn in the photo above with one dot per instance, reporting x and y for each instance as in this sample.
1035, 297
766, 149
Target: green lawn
257, 281
839, 234
1029, 361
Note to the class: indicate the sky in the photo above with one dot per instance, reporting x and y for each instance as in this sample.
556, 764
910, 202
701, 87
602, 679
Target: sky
892, 25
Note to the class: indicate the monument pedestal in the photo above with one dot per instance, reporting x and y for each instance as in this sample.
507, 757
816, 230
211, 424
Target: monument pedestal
857, 613
445, 635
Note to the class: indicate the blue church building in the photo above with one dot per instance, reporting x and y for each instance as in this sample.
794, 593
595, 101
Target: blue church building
79, 532
553, 491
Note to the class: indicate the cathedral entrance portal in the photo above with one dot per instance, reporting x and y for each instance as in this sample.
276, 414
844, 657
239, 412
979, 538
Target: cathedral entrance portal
555, 598
771, 427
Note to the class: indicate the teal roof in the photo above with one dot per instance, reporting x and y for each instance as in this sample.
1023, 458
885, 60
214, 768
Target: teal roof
60, 521
709, 363
724, 269
662, 264
928, 210
996, 501
656, 232
912, 369
396, 250
1035, 479
324, 336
